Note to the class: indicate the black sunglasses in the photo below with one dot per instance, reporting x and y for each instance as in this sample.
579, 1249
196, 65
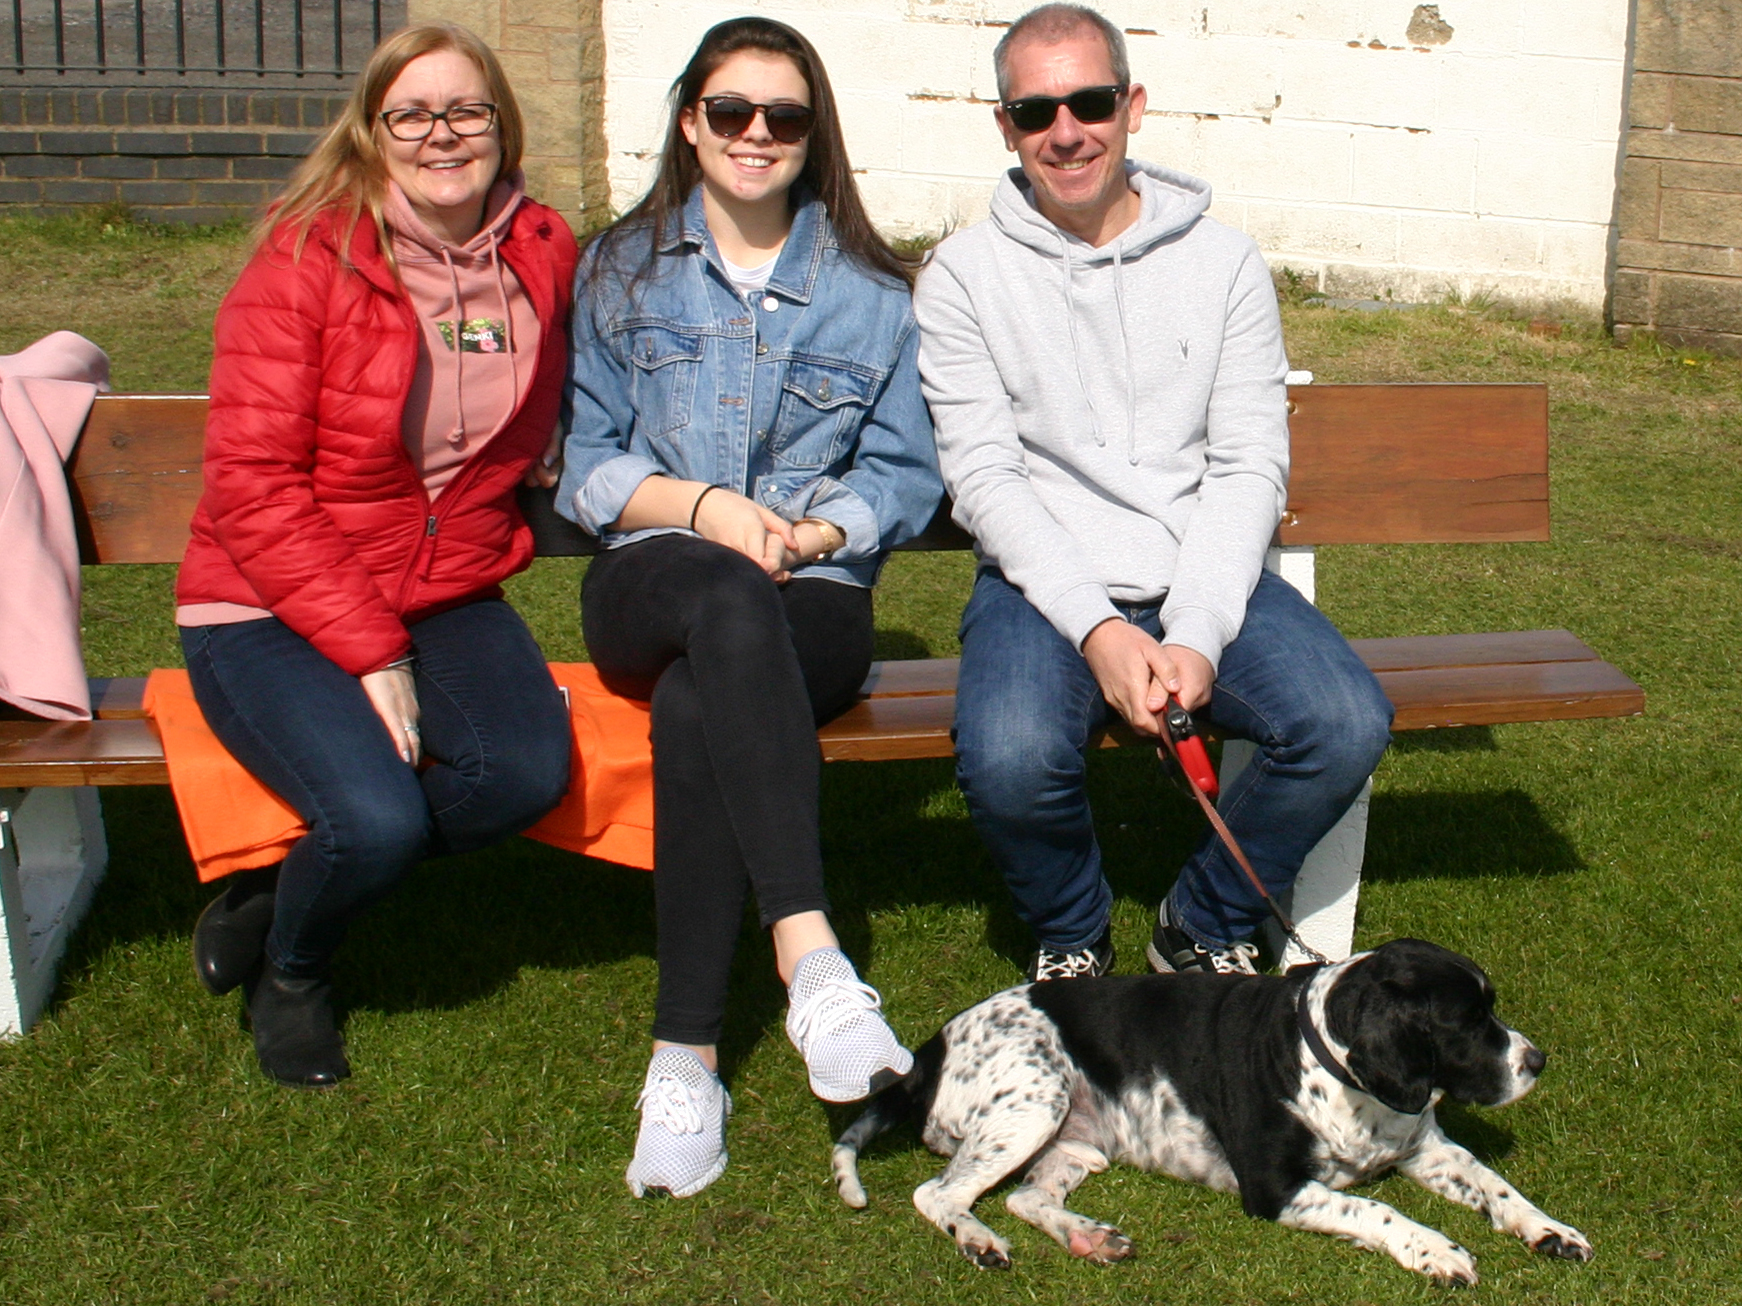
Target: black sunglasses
1091, 104
731, 115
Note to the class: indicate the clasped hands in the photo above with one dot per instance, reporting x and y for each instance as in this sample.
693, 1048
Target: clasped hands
766, 538
1136, 673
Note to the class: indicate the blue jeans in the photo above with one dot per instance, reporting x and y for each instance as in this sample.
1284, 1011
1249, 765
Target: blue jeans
493, 725
1027, 703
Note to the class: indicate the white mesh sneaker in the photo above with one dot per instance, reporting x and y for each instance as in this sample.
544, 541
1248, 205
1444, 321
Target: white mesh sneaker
834, 1021
682, 1145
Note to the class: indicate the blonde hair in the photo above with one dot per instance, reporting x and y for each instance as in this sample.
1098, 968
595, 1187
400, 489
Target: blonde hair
345, 172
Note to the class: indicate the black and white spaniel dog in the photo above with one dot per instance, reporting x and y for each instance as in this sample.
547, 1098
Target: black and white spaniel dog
1286, 1089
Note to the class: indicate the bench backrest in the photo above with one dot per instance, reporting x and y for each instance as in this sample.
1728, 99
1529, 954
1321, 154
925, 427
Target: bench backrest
1372, 464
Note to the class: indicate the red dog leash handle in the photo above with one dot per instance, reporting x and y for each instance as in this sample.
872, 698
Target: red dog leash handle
1181, 741
1188, 748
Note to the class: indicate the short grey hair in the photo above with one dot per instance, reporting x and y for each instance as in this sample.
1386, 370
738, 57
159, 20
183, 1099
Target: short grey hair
1051, 23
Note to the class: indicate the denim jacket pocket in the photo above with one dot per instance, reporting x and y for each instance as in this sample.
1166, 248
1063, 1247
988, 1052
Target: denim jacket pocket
665, 364
821, 408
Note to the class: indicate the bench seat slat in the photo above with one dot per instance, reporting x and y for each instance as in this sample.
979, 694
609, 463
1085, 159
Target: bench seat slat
65, 753
1432, 680
1415, 652
1483, 696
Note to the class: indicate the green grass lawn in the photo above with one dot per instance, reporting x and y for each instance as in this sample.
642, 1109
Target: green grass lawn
498, 1005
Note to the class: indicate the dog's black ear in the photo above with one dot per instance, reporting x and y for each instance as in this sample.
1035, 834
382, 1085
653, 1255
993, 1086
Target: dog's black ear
1394, 1057
1391, 1049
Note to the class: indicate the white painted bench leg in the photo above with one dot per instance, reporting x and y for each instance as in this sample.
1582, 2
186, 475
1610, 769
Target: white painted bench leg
1322, 902
54, 854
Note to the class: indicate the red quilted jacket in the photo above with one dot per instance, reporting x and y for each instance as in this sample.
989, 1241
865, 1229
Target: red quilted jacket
312, 508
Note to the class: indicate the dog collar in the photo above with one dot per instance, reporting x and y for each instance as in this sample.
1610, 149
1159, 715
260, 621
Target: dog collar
1321, 1051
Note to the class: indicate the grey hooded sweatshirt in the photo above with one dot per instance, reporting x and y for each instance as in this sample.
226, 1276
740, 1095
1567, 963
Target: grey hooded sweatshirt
1111, 422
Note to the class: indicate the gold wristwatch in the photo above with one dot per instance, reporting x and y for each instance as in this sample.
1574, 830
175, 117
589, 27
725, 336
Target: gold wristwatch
834, 538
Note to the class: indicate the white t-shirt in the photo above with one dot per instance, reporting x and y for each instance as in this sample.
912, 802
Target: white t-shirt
747, 281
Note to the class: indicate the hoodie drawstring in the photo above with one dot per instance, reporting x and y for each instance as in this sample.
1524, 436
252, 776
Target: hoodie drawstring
1076, 348
1130, 367
457, 436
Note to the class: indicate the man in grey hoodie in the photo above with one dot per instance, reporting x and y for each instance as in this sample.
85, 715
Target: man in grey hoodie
1105, 368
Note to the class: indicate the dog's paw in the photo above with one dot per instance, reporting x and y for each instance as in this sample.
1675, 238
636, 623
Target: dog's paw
1101, 1244
1443, 1261
1561, 1241
988, 1255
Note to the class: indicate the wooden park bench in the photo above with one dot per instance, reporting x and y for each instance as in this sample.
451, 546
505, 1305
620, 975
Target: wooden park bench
1372, 464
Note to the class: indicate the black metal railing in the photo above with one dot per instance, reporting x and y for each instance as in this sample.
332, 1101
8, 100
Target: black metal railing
159, 43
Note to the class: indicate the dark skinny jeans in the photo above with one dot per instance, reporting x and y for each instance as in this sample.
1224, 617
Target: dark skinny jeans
493, 726
740, 672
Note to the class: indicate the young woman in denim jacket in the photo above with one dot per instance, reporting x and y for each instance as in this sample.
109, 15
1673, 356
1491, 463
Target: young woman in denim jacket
749, 441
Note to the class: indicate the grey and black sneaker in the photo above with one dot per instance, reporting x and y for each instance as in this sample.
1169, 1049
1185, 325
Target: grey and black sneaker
1085, 963
1172, 951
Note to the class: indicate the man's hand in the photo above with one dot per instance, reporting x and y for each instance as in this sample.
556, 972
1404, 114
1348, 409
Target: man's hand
1136, 674
393, 694
1193, 678
739, 523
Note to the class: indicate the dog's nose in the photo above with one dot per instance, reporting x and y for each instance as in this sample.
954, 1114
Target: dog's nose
1535, 1059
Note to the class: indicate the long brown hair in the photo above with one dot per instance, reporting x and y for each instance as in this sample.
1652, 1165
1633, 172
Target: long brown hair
825, 172
345, 172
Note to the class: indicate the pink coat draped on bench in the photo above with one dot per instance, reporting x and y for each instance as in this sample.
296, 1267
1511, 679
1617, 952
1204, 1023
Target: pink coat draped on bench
45, 395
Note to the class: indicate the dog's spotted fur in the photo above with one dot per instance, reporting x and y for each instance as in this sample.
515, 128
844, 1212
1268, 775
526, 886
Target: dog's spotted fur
1208, 1078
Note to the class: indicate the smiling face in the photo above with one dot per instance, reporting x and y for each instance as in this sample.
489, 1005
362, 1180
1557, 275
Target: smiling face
752, 168
445, 176
1077, 169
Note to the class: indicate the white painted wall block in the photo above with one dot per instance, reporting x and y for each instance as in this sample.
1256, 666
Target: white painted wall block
1482, 163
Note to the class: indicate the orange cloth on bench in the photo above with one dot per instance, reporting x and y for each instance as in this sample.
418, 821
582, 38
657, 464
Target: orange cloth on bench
234, 823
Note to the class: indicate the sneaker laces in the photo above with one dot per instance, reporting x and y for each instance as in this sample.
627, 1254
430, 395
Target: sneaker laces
1235, 959
835, 1003
665, 1100
1051, 965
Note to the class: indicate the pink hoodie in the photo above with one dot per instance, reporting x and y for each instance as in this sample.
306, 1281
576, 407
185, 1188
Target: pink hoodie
480, 334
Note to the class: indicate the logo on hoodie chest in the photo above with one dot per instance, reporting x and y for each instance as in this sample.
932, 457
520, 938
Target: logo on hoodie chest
477, 335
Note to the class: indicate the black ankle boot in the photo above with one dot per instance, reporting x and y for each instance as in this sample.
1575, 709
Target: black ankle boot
230, 936
295, 1035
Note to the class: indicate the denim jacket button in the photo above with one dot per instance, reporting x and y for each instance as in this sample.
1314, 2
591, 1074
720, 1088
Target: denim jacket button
762, 348
769, 303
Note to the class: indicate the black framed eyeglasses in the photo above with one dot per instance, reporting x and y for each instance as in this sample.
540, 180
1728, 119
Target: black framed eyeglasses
462, 120
1035, 113
731, 115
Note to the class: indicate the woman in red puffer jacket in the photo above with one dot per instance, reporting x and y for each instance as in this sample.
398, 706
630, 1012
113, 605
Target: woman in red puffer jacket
388, 368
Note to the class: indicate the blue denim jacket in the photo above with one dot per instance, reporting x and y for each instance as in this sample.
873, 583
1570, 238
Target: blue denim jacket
805, 399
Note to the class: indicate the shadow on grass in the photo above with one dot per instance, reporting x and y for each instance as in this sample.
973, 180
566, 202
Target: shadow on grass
1490, 1142
1463, 836
895, 834
895, 644
1461, 739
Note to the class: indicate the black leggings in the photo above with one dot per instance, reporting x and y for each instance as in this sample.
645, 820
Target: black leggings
741, 672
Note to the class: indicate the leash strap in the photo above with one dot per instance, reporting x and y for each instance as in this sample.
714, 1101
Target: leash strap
1233, 845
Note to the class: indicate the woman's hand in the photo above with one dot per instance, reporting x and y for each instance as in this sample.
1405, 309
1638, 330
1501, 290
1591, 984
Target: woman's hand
393, 694
813, 545
547, 470
762, 536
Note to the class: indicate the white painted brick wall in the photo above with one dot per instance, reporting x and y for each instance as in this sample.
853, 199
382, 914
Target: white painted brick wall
1485, 165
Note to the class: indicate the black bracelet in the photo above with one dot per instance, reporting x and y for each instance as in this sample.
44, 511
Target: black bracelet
697, 505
